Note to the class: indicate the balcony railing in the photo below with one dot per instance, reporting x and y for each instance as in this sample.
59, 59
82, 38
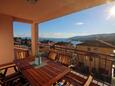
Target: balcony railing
21, 52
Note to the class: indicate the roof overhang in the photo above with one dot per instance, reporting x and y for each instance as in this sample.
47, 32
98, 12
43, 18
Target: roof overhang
44, 10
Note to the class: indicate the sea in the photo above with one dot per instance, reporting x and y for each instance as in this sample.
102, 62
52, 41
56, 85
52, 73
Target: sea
55, 39
58, 40
61, 40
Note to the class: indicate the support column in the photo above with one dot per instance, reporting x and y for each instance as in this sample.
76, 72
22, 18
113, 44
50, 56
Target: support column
34, 33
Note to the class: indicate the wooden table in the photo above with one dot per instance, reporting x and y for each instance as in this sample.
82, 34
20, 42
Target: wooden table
43, 76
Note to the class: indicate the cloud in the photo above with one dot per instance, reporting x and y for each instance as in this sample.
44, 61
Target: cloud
57, 35
22, 35
79, 23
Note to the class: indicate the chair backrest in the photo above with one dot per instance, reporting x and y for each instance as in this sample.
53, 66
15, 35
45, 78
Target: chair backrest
64, 59
8, 69
88, 81
52, 55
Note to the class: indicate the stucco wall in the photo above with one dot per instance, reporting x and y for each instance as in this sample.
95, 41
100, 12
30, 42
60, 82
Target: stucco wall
6, 39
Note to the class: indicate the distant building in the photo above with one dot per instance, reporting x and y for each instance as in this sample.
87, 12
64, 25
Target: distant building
97, 47
75, 42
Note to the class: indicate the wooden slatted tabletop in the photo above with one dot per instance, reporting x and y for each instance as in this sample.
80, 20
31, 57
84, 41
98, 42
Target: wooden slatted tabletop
43, 76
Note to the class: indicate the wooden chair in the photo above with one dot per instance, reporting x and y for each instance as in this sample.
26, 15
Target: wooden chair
64, 59
52, 55
80, 81
88, 81
9, 75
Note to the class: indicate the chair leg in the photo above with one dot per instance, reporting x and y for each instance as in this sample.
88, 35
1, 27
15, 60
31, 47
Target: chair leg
27, 84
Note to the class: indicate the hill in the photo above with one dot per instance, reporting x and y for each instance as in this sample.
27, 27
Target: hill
105, 37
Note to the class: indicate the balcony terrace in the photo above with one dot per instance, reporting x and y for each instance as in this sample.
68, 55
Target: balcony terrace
61, 65
81, 63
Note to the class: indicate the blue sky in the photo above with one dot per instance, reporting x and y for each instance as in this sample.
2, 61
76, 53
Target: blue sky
95, 20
